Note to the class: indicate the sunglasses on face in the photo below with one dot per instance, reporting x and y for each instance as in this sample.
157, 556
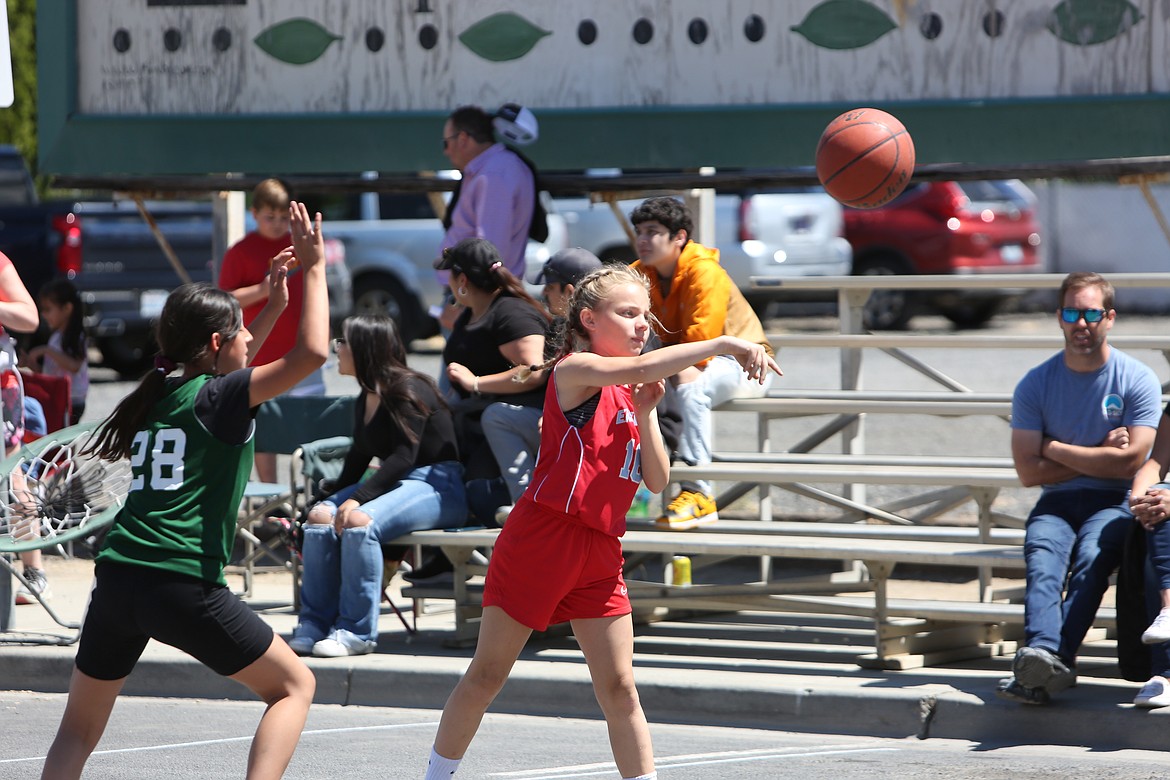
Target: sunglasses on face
448, 139
1071, 315
337, 345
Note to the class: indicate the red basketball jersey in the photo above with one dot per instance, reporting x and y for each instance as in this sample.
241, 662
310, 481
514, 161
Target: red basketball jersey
589, 474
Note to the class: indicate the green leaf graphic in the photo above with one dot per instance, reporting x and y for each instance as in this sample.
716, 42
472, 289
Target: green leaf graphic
844, 24
501, 37
1087, 22
296, 41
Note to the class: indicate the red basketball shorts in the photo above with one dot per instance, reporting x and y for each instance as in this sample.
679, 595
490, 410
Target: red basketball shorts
547, 569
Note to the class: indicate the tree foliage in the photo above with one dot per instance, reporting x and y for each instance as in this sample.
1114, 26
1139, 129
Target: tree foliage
18, 123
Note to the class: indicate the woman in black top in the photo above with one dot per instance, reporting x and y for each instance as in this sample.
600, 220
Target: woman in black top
401, 419
500, 332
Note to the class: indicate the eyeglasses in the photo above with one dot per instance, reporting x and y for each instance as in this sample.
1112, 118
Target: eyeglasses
337, 345
448, 139
1071, 315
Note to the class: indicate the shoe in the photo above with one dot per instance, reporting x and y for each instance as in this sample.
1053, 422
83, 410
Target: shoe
1009, 688
38, 584
1155, 693
302, 645
689, 509
1159, 630
342, 643
1035, 667
389, 569
502, 514
435, 565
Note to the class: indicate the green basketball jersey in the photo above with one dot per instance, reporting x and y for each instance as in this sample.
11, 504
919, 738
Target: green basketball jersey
180, 514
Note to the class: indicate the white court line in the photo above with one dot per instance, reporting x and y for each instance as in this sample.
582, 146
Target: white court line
226, 741
695, 759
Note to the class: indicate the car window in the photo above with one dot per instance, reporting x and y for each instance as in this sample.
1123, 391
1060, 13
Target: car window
334, 206
992, 192
405, 205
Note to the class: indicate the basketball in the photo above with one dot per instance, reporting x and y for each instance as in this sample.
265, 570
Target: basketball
865, 158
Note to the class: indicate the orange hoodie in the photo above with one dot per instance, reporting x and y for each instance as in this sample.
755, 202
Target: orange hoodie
702, 303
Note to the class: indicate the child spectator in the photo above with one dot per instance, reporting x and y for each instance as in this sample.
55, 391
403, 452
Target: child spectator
66, 353
244, 274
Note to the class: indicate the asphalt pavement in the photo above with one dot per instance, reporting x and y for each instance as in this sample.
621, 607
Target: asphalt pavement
755, 670
793, 672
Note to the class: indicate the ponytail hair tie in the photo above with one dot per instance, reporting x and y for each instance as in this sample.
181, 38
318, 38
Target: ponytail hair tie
495, 265
164, 364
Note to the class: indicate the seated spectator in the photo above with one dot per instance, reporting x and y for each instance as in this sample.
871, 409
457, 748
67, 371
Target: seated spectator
693, 299
500, 331
66, 353
401, 419
1083, 423
512, 429
1149, 500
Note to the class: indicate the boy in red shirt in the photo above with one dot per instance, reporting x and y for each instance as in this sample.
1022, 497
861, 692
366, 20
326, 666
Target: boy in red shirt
244, 274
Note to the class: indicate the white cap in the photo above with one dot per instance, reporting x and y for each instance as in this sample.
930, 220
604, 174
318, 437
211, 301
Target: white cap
516, 124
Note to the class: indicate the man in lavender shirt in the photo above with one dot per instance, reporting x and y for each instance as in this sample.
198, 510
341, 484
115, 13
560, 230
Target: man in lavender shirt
496, 196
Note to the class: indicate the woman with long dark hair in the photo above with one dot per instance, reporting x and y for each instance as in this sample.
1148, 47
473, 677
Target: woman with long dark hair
401, 419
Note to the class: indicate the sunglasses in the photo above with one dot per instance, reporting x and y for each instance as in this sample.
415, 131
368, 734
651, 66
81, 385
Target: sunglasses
448, 139
1071, 315
337, 345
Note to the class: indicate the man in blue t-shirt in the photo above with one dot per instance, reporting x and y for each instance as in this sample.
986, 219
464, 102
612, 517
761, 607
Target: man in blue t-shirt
1083, 423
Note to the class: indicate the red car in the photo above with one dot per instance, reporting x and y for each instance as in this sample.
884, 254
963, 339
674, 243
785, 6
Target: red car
948, 227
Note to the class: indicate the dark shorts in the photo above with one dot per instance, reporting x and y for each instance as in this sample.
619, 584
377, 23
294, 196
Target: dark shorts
546, 570
133, 604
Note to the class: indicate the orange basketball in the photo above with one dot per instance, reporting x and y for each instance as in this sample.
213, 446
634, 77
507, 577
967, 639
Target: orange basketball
865, 158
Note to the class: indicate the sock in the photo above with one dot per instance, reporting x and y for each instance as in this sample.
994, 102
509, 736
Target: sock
651, 776
439, 768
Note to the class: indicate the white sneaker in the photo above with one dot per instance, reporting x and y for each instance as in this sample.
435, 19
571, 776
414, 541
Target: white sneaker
1159, 630
1155, 693
342, 643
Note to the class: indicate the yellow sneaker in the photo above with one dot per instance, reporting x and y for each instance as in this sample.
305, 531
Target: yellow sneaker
688, 510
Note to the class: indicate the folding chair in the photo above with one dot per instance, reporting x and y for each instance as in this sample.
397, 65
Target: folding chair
283, 425
311, 463
55, 394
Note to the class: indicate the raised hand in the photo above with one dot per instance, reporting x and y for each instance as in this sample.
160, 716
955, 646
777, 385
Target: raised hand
308, 242
278, 272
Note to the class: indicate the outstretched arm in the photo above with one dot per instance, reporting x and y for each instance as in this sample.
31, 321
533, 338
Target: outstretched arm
590, 370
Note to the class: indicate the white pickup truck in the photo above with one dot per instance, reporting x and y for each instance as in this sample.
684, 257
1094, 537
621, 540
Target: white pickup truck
391, 240
796, 232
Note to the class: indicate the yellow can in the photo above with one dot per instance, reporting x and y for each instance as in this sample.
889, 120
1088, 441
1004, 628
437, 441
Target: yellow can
680, 567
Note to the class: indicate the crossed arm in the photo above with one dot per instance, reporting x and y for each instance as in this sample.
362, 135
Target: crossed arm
1040, 460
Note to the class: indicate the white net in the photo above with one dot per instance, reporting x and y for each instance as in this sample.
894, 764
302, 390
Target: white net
56, 490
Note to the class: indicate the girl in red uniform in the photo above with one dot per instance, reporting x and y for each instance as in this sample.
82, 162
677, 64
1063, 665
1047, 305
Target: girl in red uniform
559, 556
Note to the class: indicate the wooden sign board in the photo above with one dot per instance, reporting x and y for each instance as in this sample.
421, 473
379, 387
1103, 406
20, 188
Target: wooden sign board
313, 86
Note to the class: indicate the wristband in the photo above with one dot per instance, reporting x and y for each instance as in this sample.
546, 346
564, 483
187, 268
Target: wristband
475, 386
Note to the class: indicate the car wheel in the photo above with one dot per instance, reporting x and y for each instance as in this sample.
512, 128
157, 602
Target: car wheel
885, 309
973, 314
383, 294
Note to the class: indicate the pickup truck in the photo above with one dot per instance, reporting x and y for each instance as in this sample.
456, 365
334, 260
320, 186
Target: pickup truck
796, 232
391, 241
125, 277
43, 240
